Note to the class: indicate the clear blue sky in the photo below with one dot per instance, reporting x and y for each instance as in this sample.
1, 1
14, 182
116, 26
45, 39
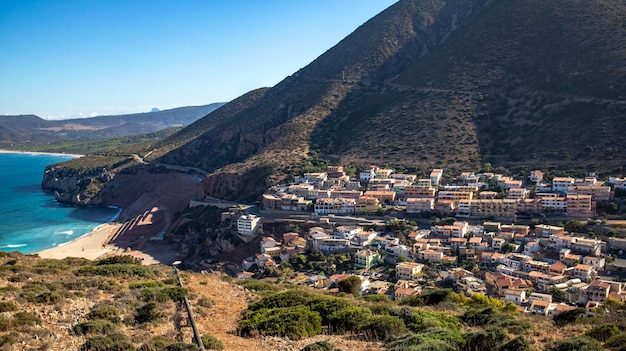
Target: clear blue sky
72, 58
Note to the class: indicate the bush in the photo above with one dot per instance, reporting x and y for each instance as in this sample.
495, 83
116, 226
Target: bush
148, 313
319, 346
581, 343
164, 295
567, 317
431, 298
156, 343
284, 299
8, 339
94, 327
205, 302
420, 320
49, 298
446, 339
517, 344
181, 346
296, 323
212, 343
113, 342
383, 327
349, 319
149, 284
118, 270
489, 339
25, 318
616, 342
327, 305
122, 259
104, 312
603, 332
7, 306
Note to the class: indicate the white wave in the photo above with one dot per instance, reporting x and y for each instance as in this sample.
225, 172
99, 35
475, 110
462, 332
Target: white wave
12, 246
66, 232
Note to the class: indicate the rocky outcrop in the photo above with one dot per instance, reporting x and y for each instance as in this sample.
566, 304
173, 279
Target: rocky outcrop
77, 186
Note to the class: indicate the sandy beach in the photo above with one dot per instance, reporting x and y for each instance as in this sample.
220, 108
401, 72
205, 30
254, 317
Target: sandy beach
4, 151
90, 246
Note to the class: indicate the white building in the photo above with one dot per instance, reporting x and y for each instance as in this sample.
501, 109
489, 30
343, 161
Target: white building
248, 225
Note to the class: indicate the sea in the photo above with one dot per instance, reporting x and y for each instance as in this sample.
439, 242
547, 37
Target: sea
31, 219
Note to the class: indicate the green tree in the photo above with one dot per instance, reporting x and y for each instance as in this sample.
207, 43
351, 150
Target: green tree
350, 285
574, 226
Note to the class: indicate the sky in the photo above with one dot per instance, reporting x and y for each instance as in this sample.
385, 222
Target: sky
81, 58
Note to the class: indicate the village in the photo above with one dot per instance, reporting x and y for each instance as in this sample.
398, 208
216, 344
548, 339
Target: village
535, 243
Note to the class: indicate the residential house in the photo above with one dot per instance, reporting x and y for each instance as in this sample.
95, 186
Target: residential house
366, 205
409, 270
583, 272
419, 205
518, 297
598, 263
365, 259
536, 176
435, 176
560, 184
382, 196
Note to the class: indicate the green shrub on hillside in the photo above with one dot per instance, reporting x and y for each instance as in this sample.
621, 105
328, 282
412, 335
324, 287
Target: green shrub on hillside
148, 284
294, 322
122, 259
431, 298
94, 327
488, 339
320, 346
212, 343
383, 327
112, 342
118, 270
104, 311
148, 313
164, 295
603, 332
284, 299
349, 319
517, 344
181, 346
581, 343
7, 306
327, 305
7, 339
418, 320
436, 337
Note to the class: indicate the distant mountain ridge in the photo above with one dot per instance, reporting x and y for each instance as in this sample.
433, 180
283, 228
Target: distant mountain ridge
31, 129
431, 83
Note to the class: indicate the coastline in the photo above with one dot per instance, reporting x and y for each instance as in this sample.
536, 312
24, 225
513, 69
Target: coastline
90, 246
5, 151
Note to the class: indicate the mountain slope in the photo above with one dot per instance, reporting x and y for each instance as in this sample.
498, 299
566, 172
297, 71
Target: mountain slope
30, 129
447, 83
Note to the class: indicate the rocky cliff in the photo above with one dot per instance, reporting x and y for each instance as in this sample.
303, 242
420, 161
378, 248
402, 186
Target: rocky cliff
77, 186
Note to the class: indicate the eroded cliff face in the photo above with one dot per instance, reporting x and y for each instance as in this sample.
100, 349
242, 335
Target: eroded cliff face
77, 187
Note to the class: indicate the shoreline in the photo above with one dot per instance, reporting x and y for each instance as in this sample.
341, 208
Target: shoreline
90, 246
5, 151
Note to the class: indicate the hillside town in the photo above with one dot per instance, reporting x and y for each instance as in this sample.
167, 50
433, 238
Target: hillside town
474, 240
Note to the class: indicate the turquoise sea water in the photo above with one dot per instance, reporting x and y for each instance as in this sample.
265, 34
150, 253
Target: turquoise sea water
30, 219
